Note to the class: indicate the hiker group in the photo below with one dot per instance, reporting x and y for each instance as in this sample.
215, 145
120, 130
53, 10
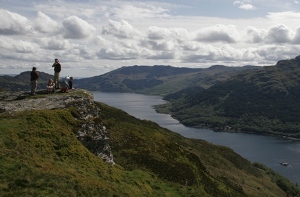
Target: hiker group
56, 84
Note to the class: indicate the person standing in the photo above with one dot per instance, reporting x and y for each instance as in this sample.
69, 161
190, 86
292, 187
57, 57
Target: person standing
57, 69
33, 80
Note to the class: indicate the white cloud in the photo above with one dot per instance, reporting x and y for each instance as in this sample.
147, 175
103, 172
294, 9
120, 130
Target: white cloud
13, 23
161, 45
190, 46
275, 53
288, 18
247, 7
244, 4
278, 34
87, 53
120, 29
165, 55
17, 46
99, 40
210, 53
116, 52
218, 33
53, 43
76, 28
137, 10
296, 39
45, 24
254, 35
159, 33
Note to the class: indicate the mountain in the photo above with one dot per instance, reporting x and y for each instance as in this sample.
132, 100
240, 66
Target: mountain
264, 101
52, 148
21, 82
158, 79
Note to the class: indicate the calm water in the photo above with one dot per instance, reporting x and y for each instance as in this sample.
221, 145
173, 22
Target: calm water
263, 149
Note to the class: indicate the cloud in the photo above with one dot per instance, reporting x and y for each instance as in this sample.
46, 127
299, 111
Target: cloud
211, 53
244, 4
21, 50
164, 45
17, 46
76, 28
99, 40
247, 7
116, 52
13, 23
87, 53
278, 34
296, 39
190, 46
254, 35
159, 33
138, 10
45, 24
275, 53
226, 53
290, 15
167, 55
218, 33
53, 43
120, 29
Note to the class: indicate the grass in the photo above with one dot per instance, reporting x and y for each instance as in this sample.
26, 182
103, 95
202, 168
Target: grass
40, 156
218, 170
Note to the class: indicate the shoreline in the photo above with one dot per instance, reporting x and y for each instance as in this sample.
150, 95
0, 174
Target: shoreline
233, 131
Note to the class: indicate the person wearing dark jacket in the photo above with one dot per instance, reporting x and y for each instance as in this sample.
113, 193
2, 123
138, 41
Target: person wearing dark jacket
33, 80
57, 69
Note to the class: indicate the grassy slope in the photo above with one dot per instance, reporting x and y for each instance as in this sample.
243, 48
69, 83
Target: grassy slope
217, 168
40, 156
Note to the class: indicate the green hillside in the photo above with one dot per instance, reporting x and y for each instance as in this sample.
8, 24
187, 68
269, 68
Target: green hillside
159, 80
41, 156
264, 101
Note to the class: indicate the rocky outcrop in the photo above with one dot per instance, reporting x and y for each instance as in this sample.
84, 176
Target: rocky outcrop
93, 135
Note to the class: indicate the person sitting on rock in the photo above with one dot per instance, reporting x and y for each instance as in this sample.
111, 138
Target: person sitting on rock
70, 83
64, 83
50, 86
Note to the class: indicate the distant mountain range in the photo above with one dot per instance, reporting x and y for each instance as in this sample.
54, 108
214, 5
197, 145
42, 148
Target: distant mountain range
159, 80
263, 100
21, 82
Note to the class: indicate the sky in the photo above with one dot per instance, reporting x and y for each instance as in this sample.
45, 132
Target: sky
93, 37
